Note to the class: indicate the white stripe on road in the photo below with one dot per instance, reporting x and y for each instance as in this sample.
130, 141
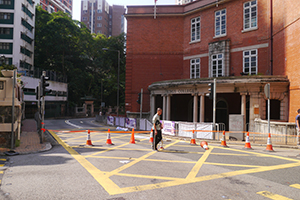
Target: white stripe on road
69, 123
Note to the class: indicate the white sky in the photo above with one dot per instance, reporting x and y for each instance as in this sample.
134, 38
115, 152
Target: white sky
77, 4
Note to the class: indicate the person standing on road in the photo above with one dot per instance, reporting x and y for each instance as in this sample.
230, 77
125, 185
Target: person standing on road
157, 126
298, 126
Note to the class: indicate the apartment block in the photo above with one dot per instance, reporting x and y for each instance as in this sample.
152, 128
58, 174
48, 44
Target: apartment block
56, 5
102, 18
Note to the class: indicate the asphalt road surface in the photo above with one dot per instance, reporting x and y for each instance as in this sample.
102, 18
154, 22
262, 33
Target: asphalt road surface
72, 170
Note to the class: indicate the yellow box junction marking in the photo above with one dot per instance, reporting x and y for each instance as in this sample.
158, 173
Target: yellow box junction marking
103, 178
295, 186
270, 195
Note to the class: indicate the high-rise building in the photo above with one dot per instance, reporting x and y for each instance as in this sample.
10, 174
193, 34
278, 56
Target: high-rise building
56, 5
107, 20
17, 20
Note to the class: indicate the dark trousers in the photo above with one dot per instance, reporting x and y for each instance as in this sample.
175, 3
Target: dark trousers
156, 138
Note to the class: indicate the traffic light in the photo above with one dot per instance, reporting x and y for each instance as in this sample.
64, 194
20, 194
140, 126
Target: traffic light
44, 85
139, 99
37, 93
211, 90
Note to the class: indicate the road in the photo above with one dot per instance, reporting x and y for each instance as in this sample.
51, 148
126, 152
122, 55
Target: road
121, 171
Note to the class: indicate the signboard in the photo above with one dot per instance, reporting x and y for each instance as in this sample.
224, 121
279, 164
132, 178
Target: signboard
110, 120
267, 90
168, 127
130, 122
236, 123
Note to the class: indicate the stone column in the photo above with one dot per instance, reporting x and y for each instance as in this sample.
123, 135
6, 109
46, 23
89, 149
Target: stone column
164, 107
195, 111
152, 105
243, 108
168, 111
202, 107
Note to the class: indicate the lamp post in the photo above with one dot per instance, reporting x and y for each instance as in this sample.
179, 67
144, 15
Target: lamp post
118, 92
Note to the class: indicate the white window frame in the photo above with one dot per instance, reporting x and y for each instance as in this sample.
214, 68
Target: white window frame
195, 68
250, 61
219, 15
196, 29
99, 18
252, 21
219, 58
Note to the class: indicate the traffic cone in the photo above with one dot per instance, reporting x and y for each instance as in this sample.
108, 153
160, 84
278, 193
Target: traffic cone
269, 144
108, 141
223, 141
132, 140
151, 136
88, 141
204, 145
247, 144
193, 140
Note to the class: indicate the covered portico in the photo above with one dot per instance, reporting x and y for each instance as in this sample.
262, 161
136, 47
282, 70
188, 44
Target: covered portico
186, 100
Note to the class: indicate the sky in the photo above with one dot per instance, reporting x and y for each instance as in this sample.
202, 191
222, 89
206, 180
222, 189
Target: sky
77, 4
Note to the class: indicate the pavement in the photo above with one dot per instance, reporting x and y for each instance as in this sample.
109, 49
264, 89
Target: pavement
29, 141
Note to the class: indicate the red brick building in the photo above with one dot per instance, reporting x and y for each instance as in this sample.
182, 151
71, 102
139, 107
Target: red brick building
176, 55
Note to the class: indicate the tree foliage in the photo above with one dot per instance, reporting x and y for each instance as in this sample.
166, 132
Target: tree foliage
67, 46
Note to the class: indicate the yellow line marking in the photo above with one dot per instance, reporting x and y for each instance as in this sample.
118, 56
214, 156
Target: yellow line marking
172, 161
135, 161
233, 165
193, 173
150, 177
180, 151
295, 186
99, 176
125, 149
1, 172
230, 154
113, 189
109, 149
270, 195
110, 157
263, 155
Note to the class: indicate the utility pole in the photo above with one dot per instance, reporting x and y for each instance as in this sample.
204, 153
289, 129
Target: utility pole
141, 105
214, 107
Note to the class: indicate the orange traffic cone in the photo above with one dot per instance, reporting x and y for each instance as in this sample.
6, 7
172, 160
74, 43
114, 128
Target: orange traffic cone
88, 141
223, 141
204, 145
247, 144
193, 140
269, 144
132, 140
151, 136
108, 141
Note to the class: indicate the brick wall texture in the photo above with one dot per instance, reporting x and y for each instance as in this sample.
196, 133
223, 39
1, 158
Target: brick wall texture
156, 48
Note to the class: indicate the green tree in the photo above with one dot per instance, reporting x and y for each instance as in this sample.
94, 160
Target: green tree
67, 46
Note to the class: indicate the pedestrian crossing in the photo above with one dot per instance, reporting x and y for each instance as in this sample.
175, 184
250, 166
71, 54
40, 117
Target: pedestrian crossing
273, 196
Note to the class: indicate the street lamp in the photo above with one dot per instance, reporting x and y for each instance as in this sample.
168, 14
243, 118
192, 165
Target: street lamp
118, 93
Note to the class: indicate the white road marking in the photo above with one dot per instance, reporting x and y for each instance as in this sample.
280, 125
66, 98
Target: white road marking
69, 123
